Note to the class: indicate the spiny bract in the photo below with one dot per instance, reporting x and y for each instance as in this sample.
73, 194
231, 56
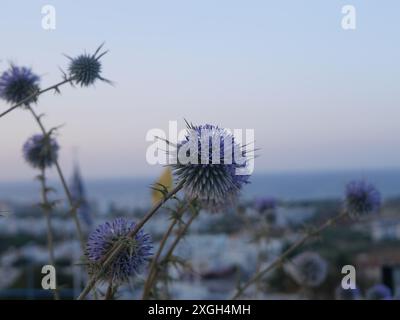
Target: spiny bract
40, 151
130, 261
209, 161
18, 84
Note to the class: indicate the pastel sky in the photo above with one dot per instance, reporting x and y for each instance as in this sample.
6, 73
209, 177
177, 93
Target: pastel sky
317, 96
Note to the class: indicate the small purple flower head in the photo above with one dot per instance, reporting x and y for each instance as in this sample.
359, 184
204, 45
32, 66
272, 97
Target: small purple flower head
308, 269
362, 198
130, 261
347, 294
212, 166
17, 84
85, 69
40, 151
379, 292
265, 204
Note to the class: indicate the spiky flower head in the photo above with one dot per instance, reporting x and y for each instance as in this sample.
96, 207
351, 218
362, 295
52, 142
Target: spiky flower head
347, 294
40, 151
86, 68
379, 292
212, 165
362, 198
308, 269
130, 261
18, 84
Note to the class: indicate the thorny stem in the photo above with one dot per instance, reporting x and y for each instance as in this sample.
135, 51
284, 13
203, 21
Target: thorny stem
153, 266
180, 235
47, 213
152, 270
73, 206
178, 238
279, 260
36, 94
116, 249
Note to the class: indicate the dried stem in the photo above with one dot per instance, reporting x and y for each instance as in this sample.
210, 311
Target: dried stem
279, 260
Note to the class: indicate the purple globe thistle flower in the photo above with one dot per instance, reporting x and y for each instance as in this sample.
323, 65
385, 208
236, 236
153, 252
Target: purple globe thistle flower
209, 161
17, 84
379, 292
265, 204
308, 269
40, 151
362, 198
130, 261
85, 69
347, 294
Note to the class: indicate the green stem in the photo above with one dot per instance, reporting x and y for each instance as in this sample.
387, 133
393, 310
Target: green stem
47, 213
180, 235
73, 206
279, 260
35, 95
153, 265
116, 249
171, 250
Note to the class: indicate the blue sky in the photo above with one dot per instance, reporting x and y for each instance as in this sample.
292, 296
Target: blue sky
317, 96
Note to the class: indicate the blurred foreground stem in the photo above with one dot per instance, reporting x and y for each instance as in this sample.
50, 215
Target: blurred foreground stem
46, 206
116, 249
279, 260
73, 206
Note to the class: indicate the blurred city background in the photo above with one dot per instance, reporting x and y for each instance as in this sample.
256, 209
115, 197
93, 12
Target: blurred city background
219, 247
